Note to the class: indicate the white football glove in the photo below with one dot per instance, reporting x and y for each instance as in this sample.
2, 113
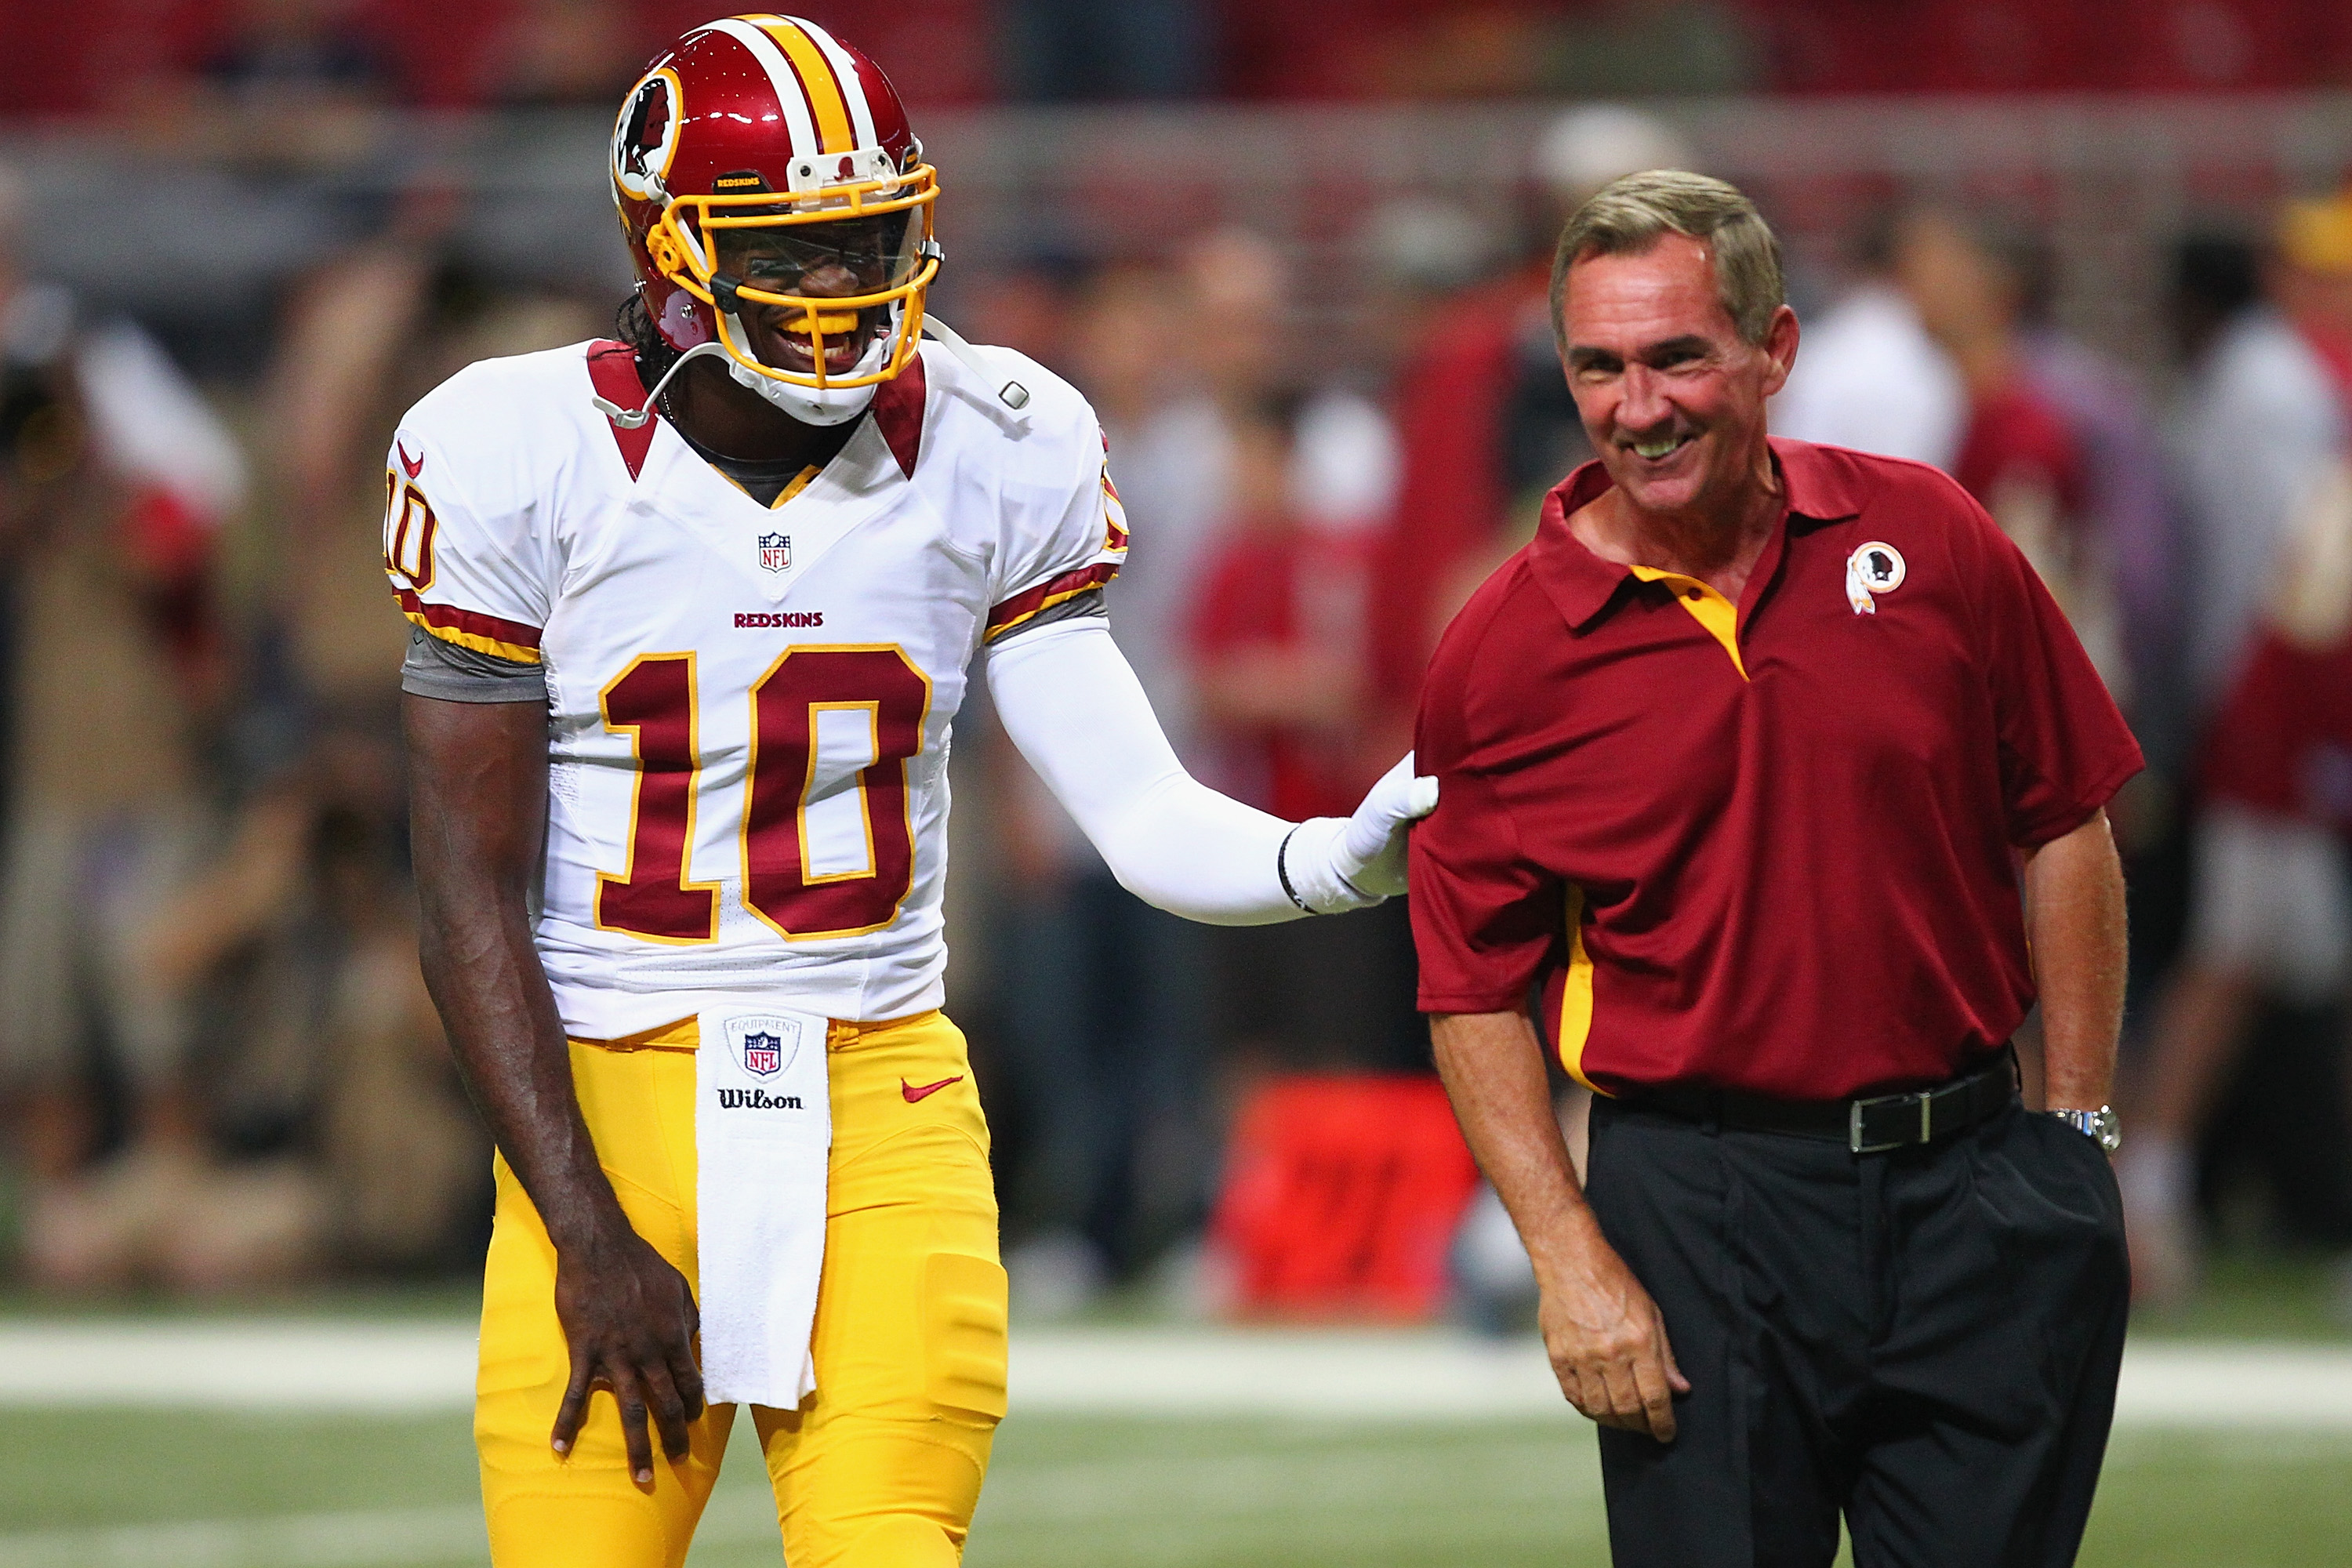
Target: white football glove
1331, 864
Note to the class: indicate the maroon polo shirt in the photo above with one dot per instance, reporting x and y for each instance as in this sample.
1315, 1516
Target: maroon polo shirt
1768, 847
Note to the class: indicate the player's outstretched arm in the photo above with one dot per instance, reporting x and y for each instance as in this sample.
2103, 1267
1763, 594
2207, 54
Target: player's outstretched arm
1070, 702
477, 784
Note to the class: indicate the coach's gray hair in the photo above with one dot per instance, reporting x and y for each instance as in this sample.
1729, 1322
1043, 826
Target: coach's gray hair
1627, 216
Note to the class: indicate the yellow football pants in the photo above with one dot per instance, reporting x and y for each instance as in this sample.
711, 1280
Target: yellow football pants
881, 1468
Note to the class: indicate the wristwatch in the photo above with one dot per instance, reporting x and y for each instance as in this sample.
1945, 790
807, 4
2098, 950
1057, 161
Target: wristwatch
2102, 1125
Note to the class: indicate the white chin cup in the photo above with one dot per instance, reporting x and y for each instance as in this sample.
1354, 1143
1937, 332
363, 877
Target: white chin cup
809, 405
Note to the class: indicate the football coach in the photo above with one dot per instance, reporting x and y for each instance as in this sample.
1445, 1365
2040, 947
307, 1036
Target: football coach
1779, 774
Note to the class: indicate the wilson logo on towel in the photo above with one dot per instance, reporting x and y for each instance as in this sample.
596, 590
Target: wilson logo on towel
756, 1100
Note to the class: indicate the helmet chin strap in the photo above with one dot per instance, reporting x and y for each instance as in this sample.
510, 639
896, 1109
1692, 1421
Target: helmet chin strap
811, 405
633, 418
1013, 395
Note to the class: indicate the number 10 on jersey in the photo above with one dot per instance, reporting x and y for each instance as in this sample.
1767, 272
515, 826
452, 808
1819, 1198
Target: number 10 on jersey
813, 707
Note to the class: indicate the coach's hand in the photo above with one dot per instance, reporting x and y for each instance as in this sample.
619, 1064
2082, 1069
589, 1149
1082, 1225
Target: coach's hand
1608, 1341
630, 1320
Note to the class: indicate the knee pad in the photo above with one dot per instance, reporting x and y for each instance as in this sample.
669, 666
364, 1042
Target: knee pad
964, 1337
572, 1530
902, 1542
884, 1493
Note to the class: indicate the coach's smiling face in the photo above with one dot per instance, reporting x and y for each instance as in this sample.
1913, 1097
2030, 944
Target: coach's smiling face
1671, 395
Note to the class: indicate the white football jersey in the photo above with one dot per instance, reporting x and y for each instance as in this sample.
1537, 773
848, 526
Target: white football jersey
749, 705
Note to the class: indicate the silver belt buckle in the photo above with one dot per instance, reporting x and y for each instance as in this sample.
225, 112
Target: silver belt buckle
1854, 1124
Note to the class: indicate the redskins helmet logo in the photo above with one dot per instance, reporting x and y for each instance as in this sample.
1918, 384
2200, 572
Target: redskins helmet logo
644, 138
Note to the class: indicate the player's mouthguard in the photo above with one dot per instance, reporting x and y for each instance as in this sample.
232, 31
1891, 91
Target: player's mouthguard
832, 323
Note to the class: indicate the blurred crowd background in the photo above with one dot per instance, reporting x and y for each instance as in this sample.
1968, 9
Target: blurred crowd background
2094, 258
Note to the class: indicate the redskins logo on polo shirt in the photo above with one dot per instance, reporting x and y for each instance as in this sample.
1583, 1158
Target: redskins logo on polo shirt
1872, 569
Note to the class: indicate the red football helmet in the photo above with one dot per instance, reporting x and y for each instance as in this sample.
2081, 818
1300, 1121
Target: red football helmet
761, 159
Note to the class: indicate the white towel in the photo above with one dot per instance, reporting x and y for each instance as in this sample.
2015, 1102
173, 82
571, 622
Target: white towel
762, 1129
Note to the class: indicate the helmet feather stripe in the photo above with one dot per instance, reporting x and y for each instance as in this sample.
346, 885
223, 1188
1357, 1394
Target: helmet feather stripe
817, 81
844, 72
782, 79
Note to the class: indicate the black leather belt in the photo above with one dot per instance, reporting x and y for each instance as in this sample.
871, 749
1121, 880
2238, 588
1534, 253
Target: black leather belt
1869, 1126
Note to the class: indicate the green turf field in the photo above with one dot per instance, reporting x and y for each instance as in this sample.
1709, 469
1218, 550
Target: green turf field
95, 1491
213, 1488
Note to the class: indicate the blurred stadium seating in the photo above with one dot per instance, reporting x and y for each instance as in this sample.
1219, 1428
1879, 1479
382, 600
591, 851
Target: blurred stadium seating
2114, 179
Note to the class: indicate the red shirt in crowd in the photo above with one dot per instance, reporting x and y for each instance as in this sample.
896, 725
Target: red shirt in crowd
2282, 740
1768, 846
1450, 404
2016, 436
1274, 587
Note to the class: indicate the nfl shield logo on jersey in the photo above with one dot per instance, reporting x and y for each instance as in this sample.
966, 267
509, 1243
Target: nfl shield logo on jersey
775, 552
763, 1055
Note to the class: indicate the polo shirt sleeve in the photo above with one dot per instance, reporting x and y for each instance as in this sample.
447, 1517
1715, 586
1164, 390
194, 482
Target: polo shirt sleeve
1485, 916
2064, 747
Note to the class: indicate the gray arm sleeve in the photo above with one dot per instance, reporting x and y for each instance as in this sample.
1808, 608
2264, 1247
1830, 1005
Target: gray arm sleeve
1076, 608
454, 674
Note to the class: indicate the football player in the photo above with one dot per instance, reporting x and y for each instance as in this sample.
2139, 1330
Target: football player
693, 612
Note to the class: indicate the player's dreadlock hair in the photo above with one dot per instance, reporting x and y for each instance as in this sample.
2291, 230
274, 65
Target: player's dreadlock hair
636, 325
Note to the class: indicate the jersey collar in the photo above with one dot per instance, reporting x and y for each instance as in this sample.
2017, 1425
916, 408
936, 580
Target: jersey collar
896, 412
1582, 586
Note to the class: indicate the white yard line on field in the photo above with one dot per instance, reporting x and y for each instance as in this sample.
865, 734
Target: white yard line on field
309, 1364
2236, 1386
1280, 1371
260, 1364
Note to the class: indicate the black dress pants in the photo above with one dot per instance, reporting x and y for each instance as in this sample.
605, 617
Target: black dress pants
1927, 1341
